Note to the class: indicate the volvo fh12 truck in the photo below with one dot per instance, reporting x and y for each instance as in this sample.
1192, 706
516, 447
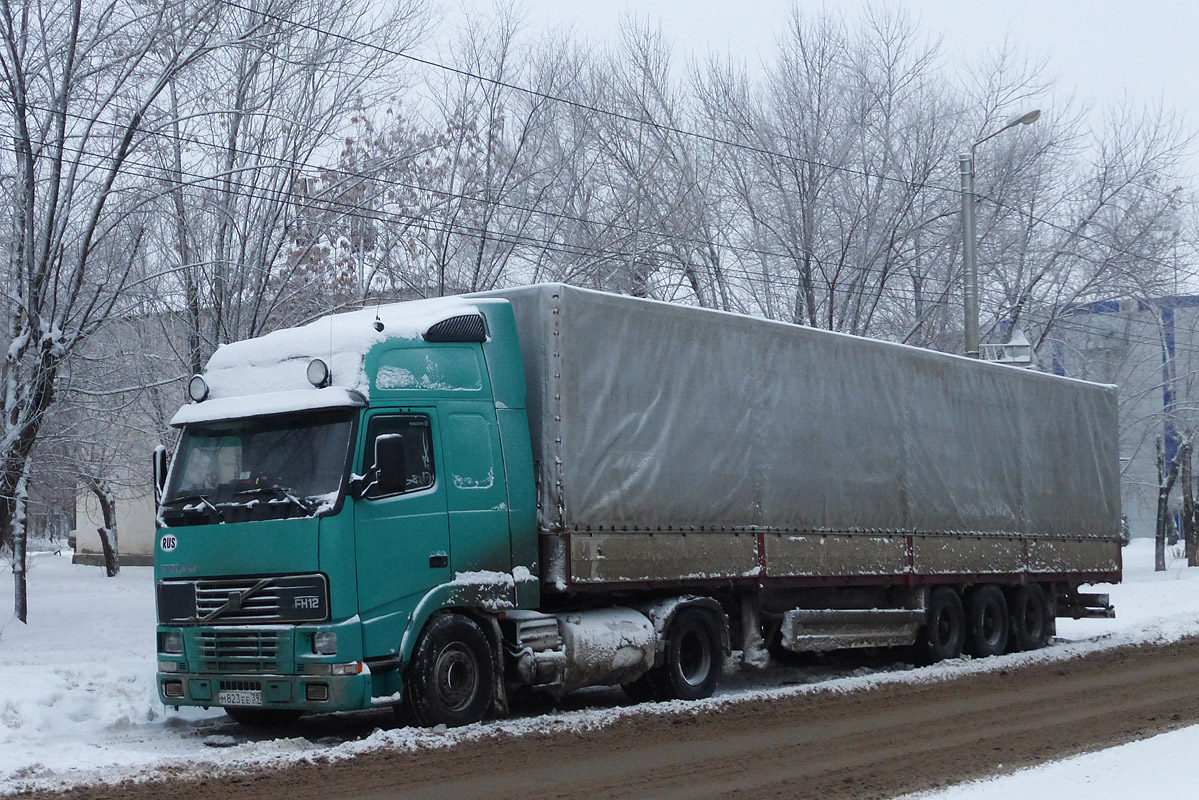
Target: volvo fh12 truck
441, 504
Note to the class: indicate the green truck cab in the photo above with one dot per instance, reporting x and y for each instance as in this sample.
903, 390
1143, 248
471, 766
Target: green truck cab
307, 535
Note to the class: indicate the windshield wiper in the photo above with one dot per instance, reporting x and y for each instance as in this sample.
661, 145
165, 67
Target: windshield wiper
279, 491
199, 498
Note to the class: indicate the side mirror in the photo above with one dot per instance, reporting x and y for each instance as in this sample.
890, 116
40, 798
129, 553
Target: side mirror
160, 474
390, 471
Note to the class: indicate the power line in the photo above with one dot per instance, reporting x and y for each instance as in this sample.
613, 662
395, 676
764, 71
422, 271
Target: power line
372, 215
567, 101
642, 121
872, 293
580, 251
386, 181
659, 126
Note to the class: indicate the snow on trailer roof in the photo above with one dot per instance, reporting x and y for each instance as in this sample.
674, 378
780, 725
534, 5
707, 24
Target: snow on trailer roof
269, 374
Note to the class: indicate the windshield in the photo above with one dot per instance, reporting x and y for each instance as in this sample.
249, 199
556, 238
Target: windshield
258, 468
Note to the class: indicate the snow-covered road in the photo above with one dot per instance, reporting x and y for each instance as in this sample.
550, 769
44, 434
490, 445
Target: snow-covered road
77, 699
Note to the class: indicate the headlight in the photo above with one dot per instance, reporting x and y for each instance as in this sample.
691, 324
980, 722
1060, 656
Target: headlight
324, 643
170, 642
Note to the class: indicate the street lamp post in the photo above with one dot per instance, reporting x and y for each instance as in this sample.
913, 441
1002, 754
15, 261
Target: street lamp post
970, 232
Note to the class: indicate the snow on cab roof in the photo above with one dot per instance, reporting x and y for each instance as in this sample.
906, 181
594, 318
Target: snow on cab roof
252, 369
256, 405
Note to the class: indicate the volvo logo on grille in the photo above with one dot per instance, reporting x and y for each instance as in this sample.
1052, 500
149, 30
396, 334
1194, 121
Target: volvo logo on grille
234, 602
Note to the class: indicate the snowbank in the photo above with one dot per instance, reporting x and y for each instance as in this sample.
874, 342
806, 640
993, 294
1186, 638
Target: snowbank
1161, 766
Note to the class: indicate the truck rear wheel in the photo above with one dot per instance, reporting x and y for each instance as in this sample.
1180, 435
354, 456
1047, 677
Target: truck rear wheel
944, 630
987, 622
450, 679
693, 659
691, 664
1029, 616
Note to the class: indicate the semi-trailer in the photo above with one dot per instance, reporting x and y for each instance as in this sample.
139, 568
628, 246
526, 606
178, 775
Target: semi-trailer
440, 504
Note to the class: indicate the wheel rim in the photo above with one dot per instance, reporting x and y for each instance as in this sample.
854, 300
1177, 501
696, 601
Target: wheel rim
456, 677
695, 657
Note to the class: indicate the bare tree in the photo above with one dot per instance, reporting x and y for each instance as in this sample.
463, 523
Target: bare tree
837, 174
78, 83
464, 184
239, 166
1167, 473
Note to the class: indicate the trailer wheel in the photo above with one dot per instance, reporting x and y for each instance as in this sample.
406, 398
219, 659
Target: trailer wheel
1029, 616
987, 622
944, 631
693, 659
450, 679
262, 717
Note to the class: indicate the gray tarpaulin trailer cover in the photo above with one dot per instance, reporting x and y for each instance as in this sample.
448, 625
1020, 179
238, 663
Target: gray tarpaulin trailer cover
677, 444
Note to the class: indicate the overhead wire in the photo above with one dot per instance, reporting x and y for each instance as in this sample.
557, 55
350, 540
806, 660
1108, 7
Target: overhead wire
643, 121
392, 182
579, 251
421, 223
349, 209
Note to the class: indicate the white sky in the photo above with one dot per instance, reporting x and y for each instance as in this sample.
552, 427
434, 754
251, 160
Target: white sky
1099, 49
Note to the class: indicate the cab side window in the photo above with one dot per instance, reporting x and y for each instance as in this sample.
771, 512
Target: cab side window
403, 444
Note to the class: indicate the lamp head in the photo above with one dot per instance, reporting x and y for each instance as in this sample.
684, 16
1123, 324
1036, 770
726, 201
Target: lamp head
1027, 118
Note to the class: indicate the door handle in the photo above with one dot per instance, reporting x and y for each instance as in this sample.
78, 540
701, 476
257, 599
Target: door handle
439, 560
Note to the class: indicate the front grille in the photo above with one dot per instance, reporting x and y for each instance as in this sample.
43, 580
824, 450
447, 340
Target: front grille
261, 606
244, 600
239, 651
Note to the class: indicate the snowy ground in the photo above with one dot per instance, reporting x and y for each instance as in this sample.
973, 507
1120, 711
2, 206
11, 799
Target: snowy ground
77, 698
1162, 766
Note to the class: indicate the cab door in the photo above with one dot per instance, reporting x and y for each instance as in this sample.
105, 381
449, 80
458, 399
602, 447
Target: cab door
476, 487
402, 542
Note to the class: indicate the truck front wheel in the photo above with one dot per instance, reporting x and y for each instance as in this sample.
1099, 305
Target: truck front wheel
450, 679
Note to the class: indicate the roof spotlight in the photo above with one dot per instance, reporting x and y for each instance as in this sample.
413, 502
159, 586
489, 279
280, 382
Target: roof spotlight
318, 373
197, 389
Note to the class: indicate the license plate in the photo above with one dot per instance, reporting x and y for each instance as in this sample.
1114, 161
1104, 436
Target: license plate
240, 698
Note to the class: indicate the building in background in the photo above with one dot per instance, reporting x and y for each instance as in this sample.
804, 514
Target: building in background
1150, 349
135, 527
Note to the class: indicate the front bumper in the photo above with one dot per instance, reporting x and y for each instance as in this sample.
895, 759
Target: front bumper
309, 693
263, 666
